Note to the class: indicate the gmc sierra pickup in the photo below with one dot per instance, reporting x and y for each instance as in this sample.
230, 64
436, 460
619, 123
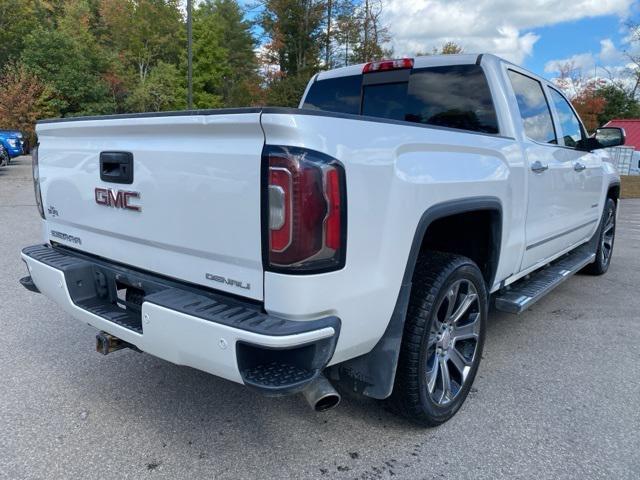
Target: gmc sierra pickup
358, 240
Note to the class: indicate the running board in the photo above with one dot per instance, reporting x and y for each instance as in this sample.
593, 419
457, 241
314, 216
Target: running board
519, 296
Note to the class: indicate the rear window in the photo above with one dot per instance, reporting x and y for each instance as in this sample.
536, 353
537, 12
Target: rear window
456, 96
386, 100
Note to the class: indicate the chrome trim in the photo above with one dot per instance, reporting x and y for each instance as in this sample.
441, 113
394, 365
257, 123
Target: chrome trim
538, 167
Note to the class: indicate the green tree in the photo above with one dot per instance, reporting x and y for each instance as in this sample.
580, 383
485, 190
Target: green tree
286, 91
163, 89
210, 66
294, 32
225, 64
17, 19
339, 31
143, 32
241, 57
447, 48
618, 103
72, 68
371, 33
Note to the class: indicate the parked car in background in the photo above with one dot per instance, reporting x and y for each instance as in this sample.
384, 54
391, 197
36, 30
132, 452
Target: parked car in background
23, 138
11, 143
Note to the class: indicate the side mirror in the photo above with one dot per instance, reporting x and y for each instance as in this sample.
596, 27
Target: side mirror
610, 136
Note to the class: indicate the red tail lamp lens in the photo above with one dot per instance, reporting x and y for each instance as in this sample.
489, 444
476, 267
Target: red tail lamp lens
306, 213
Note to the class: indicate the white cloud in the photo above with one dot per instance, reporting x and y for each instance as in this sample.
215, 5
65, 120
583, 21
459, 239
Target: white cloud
610, 64
609, 53
608, 57
493, 26
580, 61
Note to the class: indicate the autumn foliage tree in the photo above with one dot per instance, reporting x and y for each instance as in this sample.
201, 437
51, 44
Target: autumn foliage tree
590, 104
91, 57
24, 99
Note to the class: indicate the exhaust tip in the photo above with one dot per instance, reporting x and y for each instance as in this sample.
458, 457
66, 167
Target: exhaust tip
327, 402
320, 395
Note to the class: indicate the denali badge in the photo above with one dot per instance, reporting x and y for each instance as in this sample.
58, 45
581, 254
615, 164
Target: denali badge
116, 198
65, 237
228, 281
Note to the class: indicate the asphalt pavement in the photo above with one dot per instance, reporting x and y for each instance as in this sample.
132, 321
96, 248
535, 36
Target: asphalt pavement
557, 396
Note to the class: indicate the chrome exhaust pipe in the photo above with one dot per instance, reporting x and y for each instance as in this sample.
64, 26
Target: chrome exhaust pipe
320, 395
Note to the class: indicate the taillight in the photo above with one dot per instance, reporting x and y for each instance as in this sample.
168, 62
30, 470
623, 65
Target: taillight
36, 179
386, 65
305, 222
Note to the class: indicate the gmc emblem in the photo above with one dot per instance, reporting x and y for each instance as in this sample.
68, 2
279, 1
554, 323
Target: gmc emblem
116, 198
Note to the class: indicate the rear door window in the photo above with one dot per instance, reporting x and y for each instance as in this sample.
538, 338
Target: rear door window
456, 96
534, 109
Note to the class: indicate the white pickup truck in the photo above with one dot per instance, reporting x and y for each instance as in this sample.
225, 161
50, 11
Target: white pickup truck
356, 241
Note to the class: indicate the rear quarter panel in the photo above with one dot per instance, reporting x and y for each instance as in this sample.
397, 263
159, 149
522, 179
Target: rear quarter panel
394, 173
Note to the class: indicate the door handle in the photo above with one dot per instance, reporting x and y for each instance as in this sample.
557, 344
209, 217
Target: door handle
538, 167
116, 167
578, 167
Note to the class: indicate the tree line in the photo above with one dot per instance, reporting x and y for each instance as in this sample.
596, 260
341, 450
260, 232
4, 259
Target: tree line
91, 57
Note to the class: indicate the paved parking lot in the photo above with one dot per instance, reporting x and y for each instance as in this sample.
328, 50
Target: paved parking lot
558, 394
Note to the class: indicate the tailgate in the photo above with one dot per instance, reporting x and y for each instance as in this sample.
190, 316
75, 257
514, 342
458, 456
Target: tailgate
196, 181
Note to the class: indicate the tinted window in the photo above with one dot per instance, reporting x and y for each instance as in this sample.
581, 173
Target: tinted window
386, 100
341, 95
569, 123
534, 109
453, 96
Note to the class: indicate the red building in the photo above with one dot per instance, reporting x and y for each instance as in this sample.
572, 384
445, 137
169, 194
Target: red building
632, 129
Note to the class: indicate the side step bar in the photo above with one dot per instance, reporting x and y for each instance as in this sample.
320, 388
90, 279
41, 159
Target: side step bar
519, 296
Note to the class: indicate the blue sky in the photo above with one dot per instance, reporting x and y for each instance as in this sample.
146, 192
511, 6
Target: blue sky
567, 39
539, 34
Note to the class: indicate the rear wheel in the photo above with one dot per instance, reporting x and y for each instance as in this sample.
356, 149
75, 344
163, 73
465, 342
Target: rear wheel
443, 339
606, 237
4, 156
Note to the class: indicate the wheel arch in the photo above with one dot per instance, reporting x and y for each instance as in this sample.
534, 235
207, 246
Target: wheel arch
613, 191
464, 208
373, 374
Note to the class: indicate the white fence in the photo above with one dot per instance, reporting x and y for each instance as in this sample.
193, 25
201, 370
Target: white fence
626, 160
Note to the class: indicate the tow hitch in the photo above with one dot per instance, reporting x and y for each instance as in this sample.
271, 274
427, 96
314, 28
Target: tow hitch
106, 344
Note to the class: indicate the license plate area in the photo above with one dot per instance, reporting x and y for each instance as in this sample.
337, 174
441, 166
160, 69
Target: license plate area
110, 294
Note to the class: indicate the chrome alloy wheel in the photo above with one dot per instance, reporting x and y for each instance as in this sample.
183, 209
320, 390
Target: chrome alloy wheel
453, 342
608, 234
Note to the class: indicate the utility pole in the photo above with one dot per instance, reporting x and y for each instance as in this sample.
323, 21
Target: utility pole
366, 33
189, 55
327, 60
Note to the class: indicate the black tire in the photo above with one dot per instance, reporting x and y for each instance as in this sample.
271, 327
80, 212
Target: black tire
4, 157
605, 238
434, 279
